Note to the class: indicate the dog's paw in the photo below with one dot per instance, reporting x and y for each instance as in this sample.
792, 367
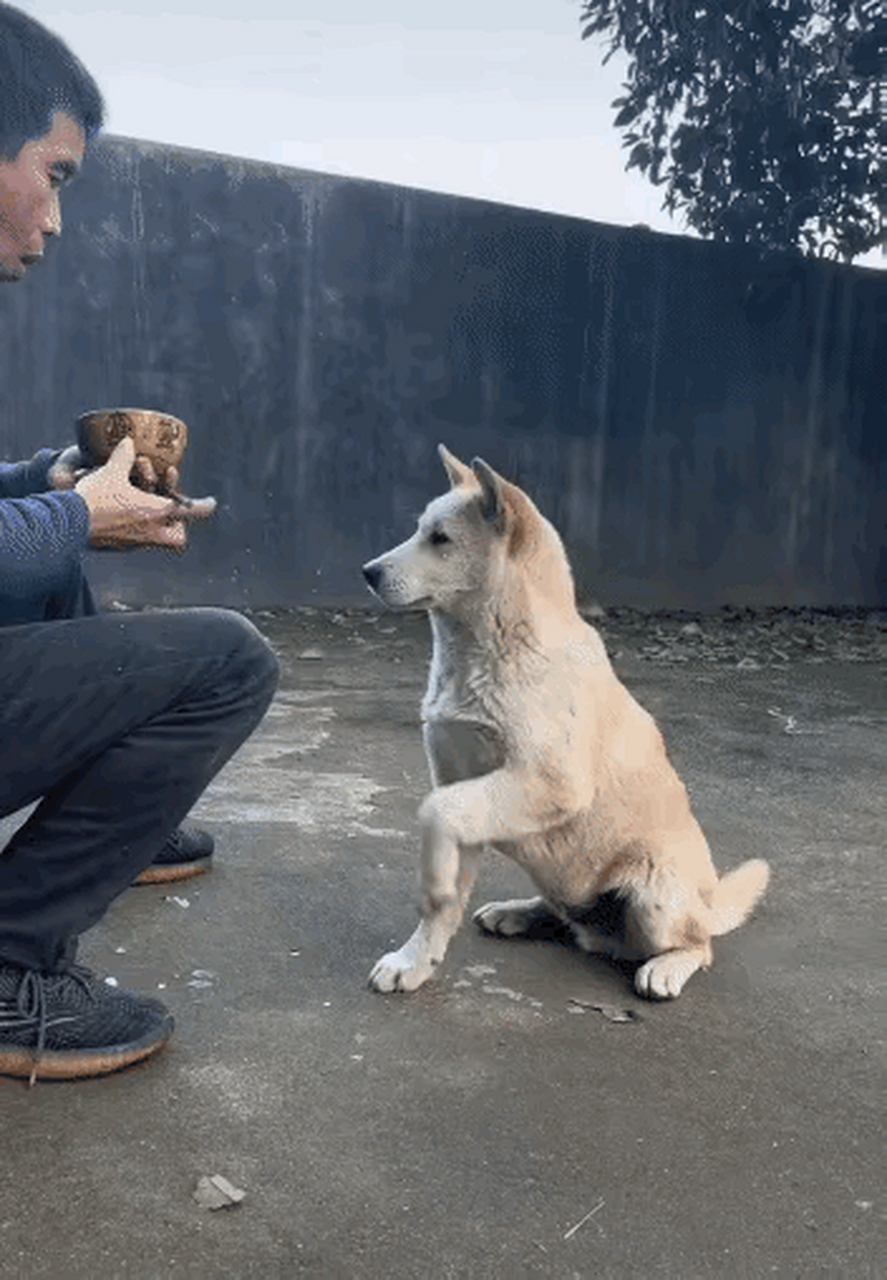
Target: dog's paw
399, 971
663, 977
506, 919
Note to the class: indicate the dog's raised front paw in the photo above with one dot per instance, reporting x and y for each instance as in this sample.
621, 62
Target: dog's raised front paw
663, 977
399, 971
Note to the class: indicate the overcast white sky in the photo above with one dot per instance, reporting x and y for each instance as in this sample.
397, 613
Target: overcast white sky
498, 99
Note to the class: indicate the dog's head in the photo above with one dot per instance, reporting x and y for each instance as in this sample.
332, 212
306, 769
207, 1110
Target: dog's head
465, 543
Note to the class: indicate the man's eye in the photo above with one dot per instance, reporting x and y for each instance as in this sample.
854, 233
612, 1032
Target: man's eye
437, 538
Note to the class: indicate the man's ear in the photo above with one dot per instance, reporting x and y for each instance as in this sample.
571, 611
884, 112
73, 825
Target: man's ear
493, 494
457, 472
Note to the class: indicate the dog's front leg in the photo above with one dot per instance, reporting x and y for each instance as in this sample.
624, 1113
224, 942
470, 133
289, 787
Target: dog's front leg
448, 875
457, 821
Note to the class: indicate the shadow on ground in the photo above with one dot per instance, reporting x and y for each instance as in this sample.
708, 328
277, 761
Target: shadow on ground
494, 1124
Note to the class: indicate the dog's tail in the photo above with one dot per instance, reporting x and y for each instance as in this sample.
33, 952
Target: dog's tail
736, 894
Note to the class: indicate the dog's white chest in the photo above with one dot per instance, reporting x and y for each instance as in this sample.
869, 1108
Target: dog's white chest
461, 686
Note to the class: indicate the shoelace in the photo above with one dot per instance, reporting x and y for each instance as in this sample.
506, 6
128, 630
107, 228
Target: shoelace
31, 1002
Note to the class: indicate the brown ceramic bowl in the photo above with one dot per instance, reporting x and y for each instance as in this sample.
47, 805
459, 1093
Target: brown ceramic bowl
157, 436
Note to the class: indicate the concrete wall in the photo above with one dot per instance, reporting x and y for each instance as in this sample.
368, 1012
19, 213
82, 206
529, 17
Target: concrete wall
703, 428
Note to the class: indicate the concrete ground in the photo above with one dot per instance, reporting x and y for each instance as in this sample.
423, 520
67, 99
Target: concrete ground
493, 1124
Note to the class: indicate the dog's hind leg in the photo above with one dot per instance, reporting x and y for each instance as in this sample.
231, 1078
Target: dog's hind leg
517, 918
668, 919
664, 977
445, 893
535, 918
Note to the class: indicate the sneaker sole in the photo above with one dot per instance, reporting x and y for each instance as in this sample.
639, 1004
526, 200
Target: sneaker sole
173, 873
78, 1065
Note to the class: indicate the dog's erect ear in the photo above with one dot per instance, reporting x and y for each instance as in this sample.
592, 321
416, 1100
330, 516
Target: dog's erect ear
457, 471
493, 494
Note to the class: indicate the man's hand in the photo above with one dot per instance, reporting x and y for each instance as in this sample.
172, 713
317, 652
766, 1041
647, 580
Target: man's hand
70, 466
122, 515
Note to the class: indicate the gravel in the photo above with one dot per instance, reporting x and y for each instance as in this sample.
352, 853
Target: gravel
747, 638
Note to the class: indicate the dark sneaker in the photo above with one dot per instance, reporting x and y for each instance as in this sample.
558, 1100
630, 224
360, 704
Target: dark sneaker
66, 1026
187, 853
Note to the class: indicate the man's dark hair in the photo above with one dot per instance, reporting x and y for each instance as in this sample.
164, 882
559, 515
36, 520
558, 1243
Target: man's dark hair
39, 75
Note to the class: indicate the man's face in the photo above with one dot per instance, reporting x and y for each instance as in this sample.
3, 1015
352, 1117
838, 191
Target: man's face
29, 193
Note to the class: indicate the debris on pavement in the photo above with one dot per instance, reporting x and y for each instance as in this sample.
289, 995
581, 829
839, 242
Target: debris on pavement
582, 1221
745, 638
216, 1192
201, 978
612, 1012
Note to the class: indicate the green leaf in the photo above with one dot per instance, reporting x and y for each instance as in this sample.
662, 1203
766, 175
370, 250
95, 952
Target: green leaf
639, 157
626, 115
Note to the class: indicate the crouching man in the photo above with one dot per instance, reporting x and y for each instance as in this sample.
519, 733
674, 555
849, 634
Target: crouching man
114, 725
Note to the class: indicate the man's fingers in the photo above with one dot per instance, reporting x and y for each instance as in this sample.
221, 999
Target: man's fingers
145, 473
67, 468
194, 508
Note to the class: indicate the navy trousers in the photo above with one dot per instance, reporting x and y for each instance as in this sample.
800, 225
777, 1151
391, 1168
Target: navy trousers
116, 724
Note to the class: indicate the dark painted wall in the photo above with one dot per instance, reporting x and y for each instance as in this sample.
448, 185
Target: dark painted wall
703, 428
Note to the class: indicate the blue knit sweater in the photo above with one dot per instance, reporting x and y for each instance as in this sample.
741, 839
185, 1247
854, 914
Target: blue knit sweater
43, 534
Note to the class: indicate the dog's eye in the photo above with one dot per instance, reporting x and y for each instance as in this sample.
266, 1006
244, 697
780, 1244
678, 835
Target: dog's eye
437, 538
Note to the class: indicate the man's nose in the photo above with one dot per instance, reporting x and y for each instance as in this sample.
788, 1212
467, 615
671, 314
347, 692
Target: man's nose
51, 223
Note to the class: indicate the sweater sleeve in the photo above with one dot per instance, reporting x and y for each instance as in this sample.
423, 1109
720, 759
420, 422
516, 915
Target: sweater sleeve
18, 479
43, 534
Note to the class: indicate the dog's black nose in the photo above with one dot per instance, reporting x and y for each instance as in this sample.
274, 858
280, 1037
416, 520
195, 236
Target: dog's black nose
373, 575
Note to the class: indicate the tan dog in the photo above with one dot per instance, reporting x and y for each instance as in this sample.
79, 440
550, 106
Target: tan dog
535, 747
